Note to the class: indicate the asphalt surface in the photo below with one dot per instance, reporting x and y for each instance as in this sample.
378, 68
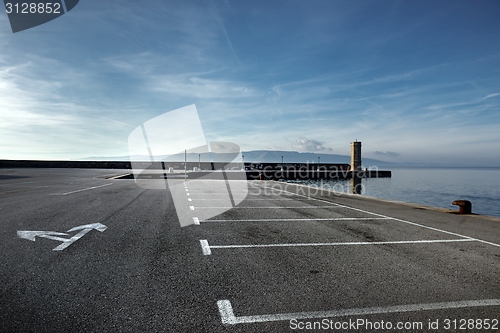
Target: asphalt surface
284, 259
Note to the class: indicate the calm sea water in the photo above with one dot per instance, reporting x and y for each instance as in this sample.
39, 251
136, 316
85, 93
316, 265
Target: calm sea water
432, 187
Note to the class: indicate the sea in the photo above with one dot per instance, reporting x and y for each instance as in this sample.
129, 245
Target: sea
435, 187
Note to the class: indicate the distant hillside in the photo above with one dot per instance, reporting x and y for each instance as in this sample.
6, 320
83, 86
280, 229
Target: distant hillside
273, 156
259, 156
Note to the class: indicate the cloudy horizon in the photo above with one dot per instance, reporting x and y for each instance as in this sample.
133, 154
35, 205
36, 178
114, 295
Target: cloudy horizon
416, 82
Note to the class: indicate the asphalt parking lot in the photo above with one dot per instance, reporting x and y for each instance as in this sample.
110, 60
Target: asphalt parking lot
281, 258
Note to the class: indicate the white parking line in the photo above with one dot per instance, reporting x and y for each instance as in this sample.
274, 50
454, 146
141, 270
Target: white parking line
311, 219
215, 199
116, 176
228, 317
396, 219
206, 248
85, 189
267, 207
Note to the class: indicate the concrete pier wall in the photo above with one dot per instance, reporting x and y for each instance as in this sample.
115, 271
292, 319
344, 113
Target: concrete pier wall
268, 171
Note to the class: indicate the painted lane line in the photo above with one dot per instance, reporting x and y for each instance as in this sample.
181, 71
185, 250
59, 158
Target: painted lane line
228, 318
486, 242
334, 244
191, 207
446, 232
189, 199
396, 219
266, 207
187, 193
311, 219
205, 247
196, 221
212, 199
85, 189
119, 176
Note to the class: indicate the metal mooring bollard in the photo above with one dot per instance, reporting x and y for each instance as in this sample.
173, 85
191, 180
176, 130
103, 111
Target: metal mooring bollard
464, 206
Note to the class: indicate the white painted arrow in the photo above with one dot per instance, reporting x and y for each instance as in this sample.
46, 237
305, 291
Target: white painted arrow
30, 235
97, 226
84, 229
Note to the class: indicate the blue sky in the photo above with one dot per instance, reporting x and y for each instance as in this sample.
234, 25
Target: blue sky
415, 81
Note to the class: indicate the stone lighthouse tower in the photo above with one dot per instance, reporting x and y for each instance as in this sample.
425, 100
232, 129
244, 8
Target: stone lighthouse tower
355, 156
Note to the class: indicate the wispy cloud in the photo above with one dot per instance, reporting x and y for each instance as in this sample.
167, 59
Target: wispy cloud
220, 22
491, 95
386, 153
305, 79
40, 119
303, 144
194, 86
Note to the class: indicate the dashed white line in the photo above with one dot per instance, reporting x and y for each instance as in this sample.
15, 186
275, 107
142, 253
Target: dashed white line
191, 207
196, 221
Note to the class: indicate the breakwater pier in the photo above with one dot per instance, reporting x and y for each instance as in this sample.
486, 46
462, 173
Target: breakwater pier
322, 171
253, 171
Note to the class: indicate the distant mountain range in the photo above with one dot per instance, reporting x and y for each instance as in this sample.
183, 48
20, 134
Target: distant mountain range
274, 156
256, 156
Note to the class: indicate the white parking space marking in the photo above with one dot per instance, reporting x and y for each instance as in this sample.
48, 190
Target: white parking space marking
205, 247
299, 219
225, 308
396, 219
196, 221
85, 189
214, 199
205, 244
266, 207
228, 317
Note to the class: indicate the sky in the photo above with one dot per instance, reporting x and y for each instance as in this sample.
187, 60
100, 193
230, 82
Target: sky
415, 81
